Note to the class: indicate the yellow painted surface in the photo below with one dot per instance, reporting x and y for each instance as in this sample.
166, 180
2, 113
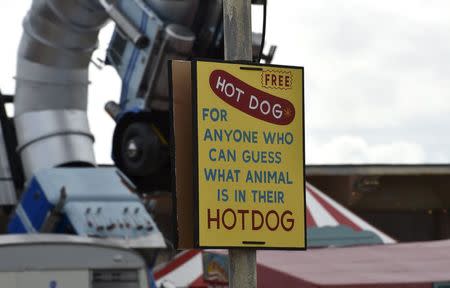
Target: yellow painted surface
235, 227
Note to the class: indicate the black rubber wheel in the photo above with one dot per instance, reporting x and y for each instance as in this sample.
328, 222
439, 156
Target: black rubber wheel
144, 159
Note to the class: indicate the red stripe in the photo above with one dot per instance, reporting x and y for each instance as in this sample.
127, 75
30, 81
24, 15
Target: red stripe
309, 219
340, 218
199, 283
175, 263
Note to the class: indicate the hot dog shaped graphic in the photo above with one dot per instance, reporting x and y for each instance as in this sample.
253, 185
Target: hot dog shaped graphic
250, 100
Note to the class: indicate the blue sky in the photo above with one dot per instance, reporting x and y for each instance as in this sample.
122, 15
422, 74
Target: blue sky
377, 76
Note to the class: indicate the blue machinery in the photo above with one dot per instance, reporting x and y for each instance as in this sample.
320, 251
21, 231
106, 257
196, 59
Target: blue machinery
95, 202
49, 179
46, 152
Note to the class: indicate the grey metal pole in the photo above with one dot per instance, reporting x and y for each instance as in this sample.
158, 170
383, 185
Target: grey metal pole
238, 46
237, 21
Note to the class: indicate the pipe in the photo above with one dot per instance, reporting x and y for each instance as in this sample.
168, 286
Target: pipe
237, 25
129, 29
52, 83
113, 109
176, 12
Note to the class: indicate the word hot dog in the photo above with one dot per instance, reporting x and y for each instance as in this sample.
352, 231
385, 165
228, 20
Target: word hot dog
252, 101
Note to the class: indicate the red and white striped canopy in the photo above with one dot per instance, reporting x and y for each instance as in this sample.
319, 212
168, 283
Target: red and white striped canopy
323, 211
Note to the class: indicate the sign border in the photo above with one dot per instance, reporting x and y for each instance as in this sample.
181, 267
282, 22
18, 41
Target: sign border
196, 160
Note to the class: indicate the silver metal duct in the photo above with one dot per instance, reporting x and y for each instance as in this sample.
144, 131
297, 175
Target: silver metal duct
52, 78
179, 12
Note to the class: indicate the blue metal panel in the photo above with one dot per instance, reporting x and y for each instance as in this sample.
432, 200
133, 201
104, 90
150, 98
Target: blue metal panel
110, 219
98, 203
134, 61
15, 226
32, 210
36, 204
85, 184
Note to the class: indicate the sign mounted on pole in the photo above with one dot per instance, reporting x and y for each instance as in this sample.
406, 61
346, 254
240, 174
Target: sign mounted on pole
248, 155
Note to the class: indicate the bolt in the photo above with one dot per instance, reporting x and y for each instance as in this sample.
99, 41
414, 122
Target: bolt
132, 149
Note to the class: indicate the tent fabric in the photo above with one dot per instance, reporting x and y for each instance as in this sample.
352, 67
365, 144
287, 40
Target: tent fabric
181, 271
326, 220
409, 265
402, 265
323, 211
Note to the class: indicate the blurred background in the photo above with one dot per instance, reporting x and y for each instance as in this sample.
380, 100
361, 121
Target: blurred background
377, 88
376, 92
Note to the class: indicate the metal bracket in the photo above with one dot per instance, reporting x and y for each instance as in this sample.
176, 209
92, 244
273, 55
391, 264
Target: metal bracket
54, 215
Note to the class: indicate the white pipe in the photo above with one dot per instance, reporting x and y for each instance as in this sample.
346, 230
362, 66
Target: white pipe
52, 79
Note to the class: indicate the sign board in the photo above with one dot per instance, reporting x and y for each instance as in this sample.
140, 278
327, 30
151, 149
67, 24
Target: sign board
181, 141
215, 268
248, 155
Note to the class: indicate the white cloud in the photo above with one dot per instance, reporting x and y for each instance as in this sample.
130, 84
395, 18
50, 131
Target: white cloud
355, 149
367, 65
375, 71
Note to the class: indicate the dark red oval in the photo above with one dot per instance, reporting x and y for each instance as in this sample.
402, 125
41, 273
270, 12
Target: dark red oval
250, 100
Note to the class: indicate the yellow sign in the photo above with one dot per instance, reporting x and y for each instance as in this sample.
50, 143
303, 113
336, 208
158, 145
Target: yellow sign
248, 124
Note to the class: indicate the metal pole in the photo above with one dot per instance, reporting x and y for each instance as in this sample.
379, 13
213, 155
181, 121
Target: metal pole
238, 46
237, 29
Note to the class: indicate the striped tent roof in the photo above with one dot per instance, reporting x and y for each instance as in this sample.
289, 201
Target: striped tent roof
324, 215
328, 224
